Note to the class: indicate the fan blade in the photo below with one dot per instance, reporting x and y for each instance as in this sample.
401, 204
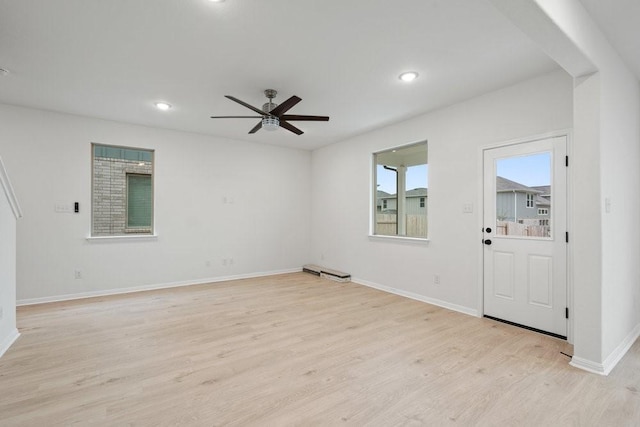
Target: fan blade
257, 127
251, 107
236, 117
285, 106
290, 127
299, 117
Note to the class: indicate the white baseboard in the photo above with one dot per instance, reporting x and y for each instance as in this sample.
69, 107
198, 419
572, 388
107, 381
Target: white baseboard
587, 365
102, 293
612, 360
8, 341
417, 297
616, 355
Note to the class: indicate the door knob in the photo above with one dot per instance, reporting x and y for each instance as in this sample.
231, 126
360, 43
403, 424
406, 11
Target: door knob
488, 230
487, 242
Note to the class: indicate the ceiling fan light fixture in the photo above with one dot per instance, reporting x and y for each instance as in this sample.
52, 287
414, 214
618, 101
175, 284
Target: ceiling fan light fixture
408, 76
270, 123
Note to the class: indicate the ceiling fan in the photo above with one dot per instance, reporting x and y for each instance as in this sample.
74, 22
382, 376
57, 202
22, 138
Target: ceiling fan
273, 115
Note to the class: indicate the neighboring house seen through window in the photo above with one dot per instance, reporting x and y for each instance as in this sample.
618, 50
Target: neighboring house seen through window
122, 191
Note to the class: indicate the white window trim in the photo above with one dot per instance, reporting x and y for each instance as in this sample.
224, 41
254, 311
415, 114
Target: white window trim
119, 238
372, 225
134, 235
400, 239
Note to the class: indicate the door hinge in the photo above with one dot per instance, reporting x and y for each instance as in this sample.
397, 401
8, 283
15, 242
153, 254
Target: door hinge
566, 161
566, 236
566, 312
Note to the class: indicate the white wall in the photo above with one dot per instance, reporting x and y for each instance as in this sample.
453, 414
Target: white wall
264, 230
341, 178
608, 133
586, 240
620, 180
9, 211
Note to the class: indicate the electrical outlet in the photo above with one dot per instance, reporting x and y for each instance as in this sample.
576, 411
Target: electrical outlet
77, 274
436, 279
1, 312
208, 263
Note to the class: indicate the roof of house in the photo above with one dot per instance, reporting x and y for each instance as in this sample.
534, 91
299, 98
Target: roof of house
416, 192
542, 201
544, 189
504, 185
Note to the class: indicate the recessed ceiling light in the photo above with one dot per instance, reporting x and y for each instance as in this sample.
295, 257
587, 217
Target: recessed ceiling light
409, 76
163, 106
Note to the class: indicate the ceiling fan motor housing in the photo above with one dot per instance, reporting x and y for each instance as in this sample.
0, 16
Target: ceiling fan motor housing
268, 106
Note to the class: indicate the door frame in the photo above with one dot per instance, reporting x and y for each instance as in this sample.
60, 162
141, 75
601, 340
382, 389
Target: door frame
567, 133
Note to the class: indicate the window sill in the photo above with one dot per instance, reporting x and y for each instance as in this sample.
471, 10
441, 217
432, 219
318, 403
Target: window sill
127, 238
399, 239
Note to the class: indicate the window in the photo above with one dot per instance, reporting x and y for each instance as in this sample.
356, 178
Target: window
529, 200
521, 183
138, 201
122, 191
400, 188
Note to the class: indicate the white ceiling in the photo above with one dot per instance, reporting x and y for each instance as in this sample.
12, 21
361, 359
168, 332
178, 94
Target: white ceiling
113, 59
619, 20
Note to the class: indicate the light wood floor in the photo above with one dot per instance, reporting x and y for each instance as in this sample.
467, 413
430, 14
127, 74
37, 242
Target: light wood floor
295, 350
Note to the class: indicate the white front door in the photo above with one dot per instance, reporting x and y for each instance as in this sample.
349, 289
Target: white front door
525, 224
